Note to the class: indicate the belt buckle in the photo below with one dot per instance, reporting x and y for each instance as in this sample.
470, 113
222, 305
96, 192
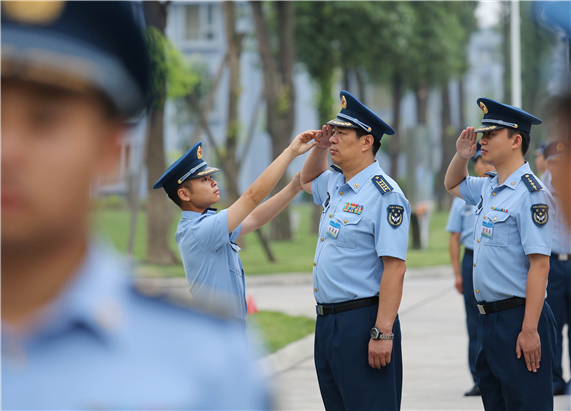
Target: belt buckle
481, 309
563, 257
319, 309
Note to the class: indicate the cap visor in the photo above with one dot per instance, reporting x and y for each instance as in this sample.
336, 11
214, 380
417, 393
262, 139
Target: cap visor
206, 172
342, 123
485, 128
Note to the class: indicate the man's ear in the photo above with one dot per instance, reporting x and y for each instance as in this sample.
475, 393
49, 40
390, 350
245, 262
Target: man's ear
368, 142
184, 194
517, 140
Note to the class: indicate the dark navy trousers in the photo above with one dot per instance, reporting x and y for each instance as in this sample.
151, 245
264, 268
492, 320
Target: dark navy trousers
559, 299
504, 381
346, 380
472, 312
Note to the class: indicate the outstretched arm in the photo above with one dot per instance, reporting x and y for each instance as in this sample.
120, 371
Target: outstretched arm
316, 162
265, 183
458, 168
266, 211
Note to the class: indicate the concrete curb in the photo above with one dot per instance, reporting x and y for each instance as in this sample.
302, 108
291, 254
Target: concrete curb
287, 357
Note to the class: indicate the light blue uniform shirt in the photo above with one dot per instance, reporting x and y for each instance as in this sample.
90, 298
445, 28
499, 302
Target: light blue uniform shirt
561, 234
103, 345
348, 267
461, 220
501, 264
211, 261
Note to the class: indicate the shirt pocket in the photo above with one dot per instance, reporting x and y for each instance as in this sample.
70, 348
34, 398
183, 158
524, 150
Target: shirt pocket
348, 232
501, 227
234, 260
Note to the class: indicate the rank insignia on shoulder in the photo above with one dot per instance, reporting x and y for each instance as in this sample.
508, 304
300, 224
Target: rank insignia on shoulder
395, 215
382, 185
491, 174
335, 167
540, 214
531, 182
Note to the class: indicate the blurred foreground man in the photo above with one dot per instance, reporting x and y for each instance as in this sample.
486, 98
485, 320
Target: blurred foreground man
359, 263
559, 285
513, 231
207, 240
75, 334
461, 228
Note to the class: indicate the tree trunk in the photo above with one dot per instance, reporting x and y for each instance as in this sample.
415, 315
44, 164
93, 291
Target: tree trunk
506, 51
448, 149
394, 147
422, 103
279, 92
159, 211
462, 101
361, 85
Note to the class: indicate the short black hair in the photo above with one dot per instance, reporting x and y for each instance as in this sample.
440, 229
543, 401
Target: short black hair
376, 143
173, 195
525, 138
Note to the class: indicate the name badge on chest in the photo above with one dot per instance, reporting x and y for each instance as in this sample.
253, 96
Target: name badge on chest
487, 229
333, 229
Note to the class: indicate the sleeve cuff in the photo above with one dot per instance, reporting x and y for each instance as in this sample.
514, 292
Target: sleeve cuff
464, 192
222, 227
391, 252
537, 249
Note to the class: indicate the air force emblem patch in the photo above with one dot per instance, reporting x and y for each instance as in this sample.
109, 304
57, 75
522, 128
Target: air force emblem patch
539, 214
395, 215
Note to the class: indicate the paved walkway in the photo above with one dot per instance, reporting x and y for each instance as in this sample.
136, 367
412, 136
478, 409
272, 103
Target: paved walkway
434, 341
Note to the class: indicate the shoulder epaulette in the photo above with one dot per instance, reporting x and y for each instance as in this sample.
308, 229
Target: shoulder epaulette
335, 167
491, 174
531, 182
382, 185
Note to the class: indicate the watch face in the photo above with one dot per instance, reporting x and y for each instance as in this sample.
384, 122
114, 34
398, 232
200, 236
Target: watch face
374, 333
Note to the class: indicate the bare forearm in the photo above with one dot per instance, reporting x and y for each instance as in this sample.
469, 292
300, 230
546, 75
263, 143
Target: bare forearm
266, 211
454, 247
315, 164
456, 173
535, 292
390, 295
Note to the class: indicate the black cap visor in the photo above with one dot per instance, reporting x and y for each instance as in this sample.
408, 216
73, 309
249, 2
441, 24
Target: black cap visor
342, 123
484, 128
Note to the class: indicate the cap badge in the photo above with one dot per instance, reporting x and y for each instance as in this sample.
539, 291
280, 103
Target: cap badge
199, 153
483, 107
343, 102
37, 12
560, 147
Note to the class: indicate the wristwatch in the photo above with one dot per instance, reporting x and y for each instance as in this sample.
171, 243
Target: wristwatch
376, 334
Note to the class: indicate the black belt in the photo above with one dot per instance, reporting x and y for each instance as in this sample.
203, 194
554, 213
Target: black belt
489, 308
561, 257
324, 309
468, 251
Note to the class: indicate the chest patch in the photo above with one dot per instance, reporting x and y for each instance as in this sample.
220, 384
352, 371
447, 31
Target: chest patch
353, 208
540, 214
395, 215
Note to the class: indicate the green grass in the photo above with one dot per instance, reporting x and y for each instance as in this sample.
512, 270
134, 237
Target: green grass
292, 256
278, 329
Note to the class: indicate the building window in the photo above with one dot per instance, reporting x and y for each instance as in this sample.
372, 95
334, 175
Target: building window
200, 22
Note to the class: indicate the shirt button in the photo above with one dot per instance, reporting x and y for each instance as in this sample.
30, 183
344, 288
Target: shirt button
315, 289
322, 239
484, 216
474, 264
495, 218
341, 193
478, 240
345, 221
477, 291
494, 194
330, 215
314, 264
